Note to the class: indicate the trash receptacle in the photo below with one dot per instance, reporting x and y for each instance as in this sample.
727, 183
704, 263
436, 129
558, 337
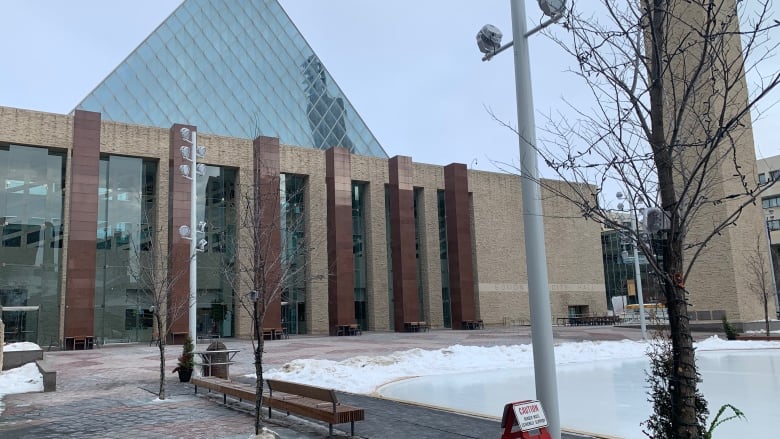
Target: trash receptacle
218, 361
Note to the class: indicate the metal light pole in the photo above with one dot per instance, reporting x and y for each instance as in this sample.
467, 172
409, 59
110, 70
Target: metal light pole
535, 252
637, 272
193, 308
190, 172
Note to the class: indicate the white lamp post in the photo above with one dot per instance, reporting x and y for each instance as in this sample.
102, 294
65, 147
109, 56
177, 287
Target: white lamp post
489, 42
637, 274
191, 154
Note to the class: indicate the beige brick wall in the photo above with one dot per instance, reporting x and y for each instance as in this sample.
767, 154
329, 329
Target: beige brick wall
430, 179
311, 162
573, 245
374, 172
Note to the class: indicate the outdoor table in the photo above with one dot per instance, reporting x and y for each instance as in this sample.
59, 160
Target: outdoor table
207, 359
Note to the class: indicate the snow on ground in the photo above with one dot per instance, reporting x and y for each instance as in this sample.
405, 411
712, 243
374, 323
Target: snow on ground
364, 374
23, 379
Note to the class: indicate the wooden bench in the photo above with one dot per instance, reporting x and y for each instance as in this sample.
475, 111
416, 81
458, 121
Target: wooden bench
225, 387
311, 402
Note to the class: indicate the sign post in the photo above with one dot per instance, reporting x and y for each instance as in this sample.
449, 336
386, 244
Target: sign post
524, 420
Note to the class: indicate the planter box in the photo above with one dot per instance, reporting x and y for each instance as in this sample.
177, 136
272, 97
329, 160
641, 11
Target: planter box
14, 359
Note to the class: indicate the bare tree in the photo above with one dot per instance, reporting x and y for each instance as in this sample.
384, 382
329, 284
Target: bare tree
669, 126
270, 257
156, 279
759, 279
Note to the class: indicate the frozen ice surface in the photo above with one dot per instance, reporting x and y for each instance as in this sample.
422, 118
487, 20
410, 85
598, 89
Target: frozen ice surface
609, 396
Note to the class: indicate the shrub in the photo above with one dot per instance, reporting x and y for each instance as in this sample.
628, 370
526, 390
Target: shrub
729, 329
187, 358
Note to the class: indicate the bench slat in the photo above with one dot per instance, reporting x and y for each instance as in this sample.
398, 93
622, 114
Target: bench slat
308, 408
314, 392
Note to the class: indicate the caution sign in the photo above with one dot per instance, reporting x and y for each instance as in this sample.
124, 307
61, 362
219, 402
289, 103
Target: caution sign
529, 415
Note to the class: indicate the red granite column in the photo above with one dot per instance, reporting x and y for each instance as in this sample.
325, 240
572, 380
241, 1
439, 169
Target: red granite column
456, 193
402, 242
178, 247
268, 240
341, 279
82, 227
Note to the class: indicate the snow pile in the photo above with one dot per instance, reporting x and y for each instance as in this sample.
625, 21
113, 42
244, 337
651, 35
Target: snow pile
21, 346
364, 374
23, 379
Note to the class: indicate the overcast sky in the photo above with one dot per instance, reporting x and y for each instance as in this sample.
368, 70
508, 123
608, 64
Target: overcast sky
411, 68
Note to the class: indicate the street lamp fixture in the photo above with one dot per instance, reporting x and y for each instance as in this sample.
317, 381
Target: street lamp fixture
553, 8
637, 272
489, 43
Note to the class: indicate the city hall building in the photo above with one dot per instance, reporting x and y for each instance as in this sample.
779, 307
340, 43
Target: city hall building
388, 241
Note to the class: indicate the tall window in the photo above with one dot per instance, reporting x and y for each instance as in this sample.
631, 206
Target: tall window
216, 205
293, 212
359, 253
31, 209
389, 251
125, 229
418, 242
444, 258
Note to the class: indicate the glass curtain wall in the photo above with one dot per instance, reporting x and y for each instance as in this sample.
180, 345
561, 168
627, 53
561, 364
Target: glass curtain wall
216, 206
295, 253
445, 262
126, 224
31, 209
359, 252
618, 254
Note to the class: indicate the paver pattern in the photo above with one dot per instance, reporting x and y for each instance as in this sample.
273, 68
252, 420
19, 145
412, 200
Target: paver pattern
110, 392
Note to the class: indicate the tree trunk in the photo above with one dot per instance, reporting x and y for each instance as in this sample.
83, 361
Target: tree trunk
766, 315
258, 371
161, 345
682, 382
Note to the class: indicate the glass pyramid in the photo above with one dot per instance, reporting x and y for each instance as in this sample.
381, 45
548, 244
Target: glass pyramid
236, 68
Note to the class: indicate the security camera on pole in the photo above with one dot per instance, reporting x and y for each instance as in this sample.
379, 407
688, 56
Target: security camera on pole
190, 172
489, 43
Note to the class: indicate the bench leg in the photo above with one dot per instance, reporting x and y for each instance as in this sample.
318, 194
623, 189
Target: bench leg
224, 398
330, 430
269, 412
352, 429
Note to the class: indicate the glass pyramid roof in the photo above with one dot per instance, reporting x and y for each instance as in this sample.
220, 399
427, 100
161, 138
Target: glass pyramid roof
236, 68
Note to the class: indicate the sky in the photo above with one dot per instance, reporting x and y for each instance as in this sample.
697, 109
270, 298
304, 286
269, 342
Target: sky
411, 68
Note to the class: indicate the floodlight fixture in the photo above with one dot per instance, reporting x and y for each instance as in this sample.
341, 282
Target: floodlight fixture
185, 153
254, 295
184, 170
201, 151
489, 39
185, 133
620, 206
552, 8
202, 227
202, 245
184, 231
200, 169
